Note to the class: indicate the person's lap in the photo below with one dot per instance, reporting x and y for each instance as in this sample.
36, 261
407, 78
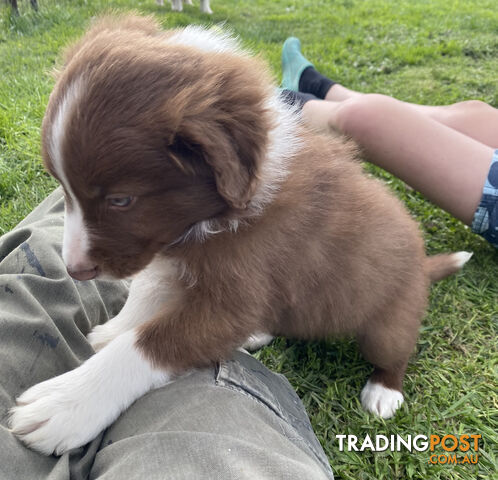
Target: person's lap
238, 420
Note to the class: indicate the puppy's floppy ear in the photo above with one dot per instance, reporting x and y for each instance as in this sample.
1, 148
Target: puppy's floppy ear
235, 159
236, 179
232, 152
234, 162
229, 127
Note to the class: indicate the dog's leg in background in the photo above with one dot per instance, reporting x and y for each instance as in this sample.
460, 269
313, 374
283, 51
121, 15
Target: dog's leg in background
149, 290
15, 8
160, 2
176, 5
205, 7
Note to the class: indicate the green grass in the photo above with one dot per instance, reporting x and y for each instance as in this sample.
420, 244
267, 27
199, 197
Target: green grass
430, 52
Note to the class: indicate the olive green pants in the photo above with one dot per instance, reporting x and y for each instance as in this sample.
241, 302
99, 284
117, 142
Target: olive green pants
235, 421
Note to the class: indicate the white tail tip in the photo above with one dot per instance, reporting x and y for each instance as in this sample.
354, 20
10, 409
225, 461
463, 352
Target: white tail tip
461, 258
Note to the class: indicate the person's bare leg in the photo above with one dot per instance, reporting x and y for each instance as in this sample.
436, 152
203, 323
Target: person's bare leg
446, 166
321, 115
338, 93
473, 118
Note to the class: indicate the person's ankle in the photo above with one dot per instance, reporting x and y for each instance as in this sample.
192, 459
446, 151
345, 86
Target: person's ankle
312, 81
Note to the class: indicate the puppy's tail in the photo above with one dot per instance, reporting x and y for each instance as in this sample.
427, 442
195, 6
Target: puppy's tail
438, 267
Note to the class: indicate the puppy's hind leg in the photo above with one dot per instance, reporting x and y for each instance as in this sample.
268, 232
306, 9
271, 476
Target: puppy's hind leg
377, 397
387, 342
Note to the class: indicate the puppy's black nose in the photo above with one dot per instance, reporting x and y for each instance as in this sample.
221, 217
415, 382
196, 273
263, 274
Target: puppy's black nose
82, 275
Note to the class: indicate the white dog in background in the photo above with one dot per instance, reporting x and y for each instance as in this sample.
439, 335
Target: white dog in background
177, 5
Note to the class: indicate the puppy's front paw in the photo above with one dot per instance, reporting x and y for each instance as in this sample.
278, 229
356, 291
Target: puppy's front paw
56, 415
72, 409
380, 400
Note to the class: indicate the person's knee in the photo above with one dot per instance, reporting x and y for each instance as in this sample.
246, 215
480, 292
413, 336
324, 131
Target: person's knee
469, 106
356, 116
457, 113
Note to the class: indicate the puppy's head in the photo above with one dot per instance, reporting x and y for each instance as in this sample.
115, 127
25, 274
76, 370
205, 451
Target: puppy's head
150, 133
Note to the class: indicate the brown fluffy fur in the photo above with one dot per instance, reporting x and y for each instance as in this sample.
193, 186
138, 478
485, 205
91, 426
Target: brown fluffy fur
187, 132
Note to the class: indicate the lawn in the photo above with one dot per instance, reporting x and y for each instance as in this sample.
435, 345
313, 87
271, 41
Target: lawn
430, 52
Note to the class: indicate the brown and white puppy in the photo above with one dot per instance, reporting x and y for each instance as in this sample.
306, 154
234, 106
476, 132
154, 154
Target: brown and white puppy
177, 5
182, 167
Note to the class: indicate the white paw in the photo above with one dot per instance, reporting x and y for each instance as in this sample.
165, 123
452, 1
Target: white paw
59, 414
101, 335
256, 341
461, 258
72, 409
380, 400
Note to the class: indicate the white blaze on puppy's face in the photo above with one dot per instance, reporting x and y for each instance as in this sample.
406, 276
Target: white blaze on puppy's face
76, 242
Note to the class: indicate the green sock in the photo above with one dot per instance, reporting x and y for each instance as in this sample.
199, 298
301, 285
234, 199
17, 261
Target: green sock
293, 64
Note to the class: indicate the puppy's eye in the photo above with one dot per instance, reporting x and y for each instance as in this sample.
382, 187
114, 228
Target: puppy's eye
120, 202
